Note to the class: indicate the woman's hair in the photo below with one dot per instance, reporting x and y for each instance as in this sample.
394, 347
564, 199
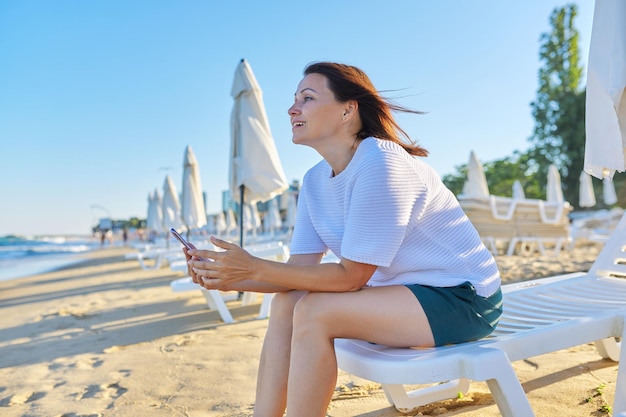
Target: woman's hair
350, 83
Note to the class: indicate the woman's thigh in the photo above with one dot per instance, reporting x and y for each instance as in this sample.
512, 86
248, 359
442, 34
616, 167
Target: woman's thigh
389, 315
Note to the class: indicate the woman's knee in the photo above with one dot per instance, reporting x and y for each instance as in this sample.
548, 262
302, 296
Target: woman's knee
309, 312
283, 303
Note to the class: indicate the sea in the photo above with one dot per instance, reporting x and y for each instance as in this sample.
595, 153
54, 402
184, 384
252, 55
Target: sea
27, 255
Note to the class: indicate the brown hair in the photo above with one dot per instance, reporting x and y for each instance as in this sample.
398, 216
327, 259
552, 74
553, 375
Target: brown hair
350, 83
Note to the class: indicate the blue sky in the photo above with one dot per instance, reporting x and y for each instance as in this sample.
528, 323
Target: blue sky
98, 99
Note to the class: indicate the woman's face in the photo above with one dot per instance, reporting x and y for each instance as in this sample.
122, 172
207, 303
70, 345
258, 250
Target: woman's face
315, 114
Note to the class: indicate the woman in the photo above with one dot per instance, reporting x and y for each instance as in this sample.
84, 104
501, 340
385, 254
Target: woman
412, 270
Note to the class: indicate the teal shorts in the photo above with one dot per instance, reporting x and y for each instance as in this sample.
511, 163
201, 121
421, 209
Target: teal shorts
458, 314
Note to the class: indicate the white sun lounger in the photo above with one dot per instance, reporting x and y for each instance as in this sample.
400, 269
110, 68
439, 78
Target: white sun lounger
216, 300
156, 255
540, 316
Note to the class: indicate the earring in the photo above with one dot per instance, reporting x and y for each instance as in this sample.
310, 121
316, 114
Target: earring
344, 116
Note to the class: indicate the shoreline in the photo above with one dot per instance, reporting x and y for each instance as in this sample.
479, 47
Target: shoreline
28, 266
102, 337
23, 267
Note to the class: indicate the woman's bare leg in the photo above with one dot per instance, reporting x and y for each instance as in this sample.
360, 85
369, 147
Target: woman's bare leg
271, 389
387, 315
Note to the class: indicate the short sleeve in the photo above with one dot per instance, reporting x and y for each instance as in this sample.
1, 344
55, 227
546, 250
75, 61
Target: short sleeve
386, 193
305, 238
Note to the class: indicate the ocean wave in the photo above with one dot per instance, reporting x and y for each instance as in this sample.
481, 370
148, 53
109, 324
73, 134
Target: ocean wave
19, 247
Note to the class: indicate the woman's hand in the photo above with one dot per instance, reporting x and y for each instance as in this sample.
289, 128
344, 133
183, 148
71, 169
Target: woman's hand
221, 270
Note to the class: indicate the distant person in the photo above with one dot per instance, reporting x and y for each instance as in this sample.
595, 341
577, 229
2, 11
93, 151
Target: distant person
125, 235
412, 272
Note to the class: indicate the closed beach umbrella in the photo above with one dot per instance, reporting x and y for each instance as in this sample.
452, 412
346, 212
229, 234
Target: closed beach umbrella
587, 197
154, 221
247, 218
476, 183
210, 225
192, 205
220, 223
171, 206
256, 173
231, 223
518, 191
292, 208
256, 216
150, 221
608, 192
605, 118
272, 221
554, 191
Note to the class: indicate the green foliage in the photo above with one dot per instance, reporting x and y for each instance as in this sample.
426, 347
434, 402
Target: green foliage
559, 109
455, 181
135, 222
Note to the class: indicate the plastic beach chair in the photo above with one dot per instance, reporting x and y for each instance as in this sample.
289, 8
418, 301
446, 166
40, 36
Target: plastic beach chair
157, 255
216, 300
540, 316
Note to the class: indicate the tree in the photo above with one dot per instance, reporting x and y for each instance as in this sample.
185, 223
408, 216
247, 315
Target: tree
559, 109
559, 133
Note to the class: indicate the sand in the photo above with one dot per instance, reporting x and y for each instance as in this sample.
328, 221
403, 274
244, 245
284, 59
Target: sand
106, 338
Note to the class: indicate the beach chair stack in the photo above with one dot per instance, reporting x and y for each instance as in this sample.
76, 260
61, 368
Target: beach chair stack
521, 226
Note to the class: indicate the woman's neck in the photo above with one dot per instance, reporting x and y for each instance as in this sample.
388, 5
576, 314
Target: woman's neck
339, 157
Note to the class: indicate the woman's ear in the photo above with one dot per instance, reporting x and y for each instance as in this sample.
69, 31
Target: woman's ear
350, 109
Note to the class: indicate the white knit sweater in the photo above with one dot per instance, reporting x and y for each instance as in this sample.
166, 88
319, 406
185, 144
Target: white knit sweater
390, 209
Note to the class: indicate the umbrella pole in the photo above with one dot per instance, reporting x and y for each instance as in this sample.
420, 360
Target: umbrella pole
241, 193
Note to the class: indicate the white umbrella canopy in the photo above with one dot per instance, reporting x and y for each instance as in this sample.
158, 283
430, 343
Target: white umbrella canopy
292, 208
272, 221
608, 192
154, 220
518, 191
220, 223
554, 190
251, 218
231, 223
150, 212
587, 196
171, 206
476, 184
256, 173
605, 118
247, 218
210, 225
256, 216
193, 213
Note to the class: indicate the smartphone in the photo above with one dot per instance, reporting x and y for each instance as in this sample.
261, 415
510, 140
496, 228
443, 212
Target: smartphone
181, 239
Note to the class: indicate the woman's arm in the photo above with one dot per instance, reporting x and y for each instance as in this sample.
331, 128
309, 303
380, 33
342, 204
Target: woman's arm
251, 285
234, 267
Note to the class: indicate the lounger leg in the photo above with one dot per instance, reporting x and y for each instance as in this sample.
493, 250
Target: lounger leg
609, 348
157, 262
142, 264
619, 406
248, 298
265, 306
495, 368
216, 302
405, 401
511, 249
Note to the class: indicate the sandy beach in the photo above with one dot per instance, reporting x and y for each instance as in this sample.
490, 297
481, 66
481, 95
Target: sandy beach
105, 338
